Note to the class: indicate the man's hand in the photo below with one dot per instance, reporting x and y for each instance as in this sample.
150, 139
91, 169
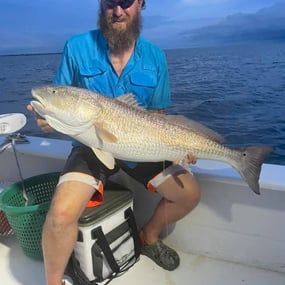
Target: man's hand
189, 158
41, 122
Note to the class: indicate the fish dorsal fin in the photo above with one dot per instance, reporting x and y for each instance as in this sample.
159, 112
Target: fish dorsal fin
105, 157
130, 100
195, 127
104, 135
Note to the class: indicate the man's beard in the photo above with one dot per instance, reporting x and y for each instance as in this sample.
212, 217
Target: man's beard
120, 40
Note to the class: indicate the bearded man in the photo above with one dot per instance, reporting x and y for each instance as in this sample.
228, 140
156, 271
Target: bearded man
114, 60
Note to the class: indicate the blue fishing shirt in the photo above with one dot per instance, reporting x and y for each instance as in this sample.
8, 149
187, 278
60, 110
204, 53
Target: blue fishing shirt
86, 63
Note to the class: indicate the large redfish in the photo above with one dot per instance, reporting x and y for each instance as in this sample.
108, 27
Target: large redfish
119, 128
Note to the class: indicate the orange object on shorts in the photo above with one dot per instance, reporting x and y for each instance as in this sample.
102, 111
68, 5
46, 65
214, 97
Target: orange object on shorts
97, 198
150, 187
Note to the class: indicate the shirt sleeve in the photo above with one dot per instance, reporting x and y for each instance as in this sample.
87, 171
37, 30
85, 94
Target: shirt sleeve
66, 72
161, 97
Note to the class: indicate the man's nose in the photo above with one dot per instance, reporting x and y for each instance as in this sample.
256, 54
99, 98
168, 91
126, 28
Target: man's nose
118, 11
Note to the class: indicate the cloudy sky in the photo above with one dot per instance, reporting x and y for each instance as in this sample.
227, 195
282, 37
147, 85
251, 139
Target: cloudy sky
43, 26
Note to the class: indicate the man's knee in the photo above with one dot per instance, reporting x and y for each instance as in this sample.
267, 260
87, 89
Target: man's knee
192, 195
66, 206
189, 192
59, 215
178, 186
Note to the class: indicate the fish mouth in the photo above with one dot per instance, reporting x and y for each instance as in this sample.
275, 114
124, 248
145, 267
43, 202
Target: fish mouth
34, 94
38, 98
38, 104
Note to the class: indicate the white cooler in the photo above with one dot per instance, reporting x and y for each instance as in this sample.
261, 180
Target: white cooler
114, 221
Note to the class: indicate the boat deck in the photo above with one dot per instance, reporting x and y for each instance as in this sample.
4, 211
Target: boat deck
230, 223
16, 268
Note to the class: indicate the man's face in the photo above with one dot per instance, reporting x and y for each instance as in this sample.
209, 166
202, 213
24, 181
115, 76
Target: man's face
121, 27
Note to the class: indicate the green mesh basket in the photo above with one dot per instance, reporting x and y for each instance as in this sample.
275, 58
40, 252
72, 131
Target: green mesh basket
27, 220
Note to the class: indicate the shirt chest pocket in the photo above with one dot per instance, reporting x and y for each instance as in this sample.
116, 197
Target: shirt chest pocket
92, 77
143, 85
146, 79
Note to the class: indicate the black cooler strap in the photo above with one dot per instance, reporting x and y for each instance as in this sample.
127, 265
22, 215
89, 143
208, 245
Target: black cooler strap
129, 214
103, 243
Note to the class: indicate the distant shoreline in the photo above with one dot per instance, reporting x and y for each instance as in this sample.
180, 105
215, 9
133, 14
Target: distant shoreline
30, 54
201, 45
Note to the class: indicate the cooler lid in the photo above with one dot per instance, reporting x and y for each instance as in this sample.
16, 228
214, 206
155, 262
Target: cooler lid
115, 198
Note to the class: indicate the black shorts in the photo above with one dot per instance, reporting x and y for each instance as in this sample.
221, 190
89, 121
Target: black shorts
82, 159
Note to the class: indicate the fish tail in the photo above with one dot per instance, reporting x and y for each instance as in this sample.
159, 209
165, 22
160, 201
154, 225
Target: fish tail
250, 163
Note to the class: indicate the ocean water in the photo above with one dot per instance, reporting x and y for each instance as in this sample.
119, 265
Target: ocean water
238, 91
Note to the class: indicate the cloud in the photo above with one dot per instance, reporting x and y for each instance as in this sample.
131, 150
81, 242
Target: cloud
37, 25
266, 24
43, 26
155, 21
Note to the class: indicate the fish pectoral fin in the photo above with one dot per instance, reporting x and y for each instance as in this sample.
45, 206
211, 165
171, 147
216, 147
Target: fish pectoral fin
105, 135
105, 157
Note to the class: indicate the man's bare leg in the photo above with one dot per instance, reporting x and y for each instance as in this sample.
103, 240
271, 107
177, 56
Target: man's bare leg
180, 195
60, 229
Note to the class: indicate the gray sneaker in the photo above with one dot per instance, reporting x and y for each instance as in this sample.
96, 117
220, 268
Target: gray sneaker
162, 255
